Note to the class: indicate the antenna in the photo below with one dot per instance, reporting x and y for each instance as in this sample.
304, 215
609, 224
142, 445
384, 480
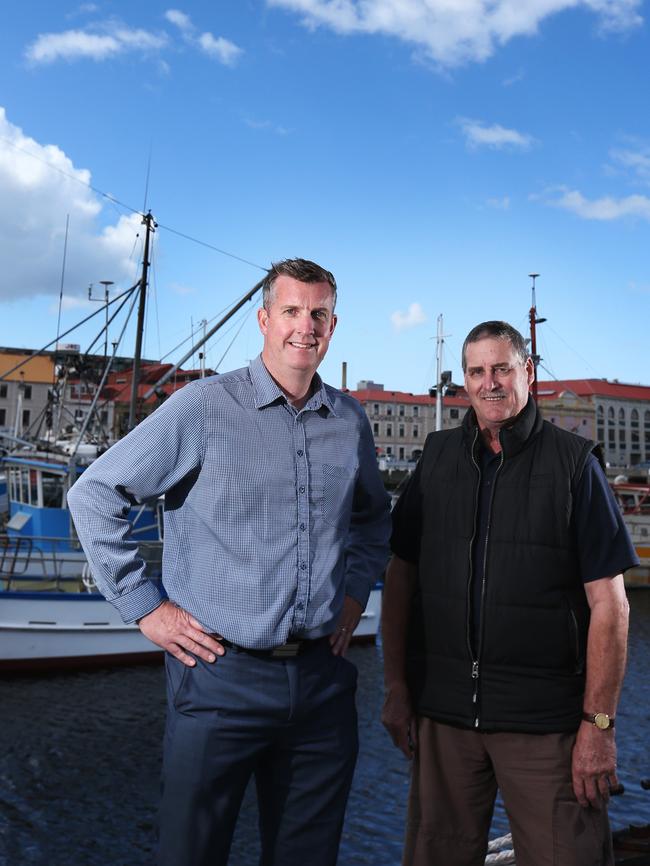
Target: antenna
534, 320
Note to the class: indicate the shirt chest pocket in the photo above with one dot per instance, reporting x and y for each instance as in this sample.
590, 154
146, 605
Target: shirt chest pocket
334, 489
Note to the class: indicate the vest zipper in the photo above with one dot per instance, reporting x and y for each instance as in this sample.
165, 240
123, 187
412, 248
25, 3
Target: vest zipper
470, 648
475, 664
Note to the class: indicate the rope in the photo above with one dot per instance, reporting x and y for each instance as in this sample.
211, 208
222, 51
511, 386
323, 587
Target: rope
495, 856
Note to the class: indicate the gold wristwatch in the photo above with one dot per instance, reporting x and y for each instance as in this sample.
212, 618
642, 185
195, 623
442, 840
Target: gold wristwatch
601, 720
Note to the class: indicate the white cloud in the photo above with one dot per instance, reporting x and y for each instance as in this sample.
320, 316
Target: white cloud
478, 134
39, 186
180, 19
84, 44
637, 161
514, 79
108, 39
453, 32
182, 289
216, 47
221, 49
414, 316
266, 125
502, 203
605, 208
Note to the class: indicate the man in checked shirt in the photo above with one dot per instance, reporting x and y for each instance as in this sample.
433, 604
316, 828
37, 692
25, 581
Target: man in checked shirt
276, 527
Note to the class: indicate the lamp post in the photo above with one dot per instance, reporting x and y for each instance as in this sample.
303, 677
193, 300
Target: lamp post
107, 284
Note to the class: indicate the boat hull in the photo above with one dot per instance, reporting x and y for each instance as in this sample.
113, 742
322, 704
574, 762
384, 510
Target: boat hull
45, 630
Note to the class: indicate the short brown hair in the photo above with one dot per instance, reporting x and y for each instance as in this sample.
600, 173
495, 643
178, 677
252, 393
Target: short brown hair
300, 269
496, 331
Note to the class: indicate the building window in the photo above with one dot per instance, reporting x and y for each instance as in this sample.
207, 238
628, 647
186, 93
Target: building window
453, 413
416, 411
3, 391
389, 451
27, 414
401, 411
401, 431
622, 439
375, 429
389, 429
375, 409
389, 410
416, 431
3, 417
600, 424
28, 392
646, 433
634, 433
401, 453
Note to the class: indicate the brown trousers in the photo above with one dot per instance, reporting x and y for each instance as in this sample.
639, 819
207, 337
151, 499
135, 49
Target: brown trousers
456, 774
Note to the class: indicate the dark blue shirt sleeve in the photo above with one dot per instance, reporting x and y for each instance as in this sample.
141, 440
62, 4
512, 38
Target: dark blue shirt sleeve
604, 545
407, 520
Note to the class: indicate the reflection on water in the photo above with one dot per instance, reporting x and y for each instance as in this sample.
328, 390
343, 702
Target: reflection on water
80, 763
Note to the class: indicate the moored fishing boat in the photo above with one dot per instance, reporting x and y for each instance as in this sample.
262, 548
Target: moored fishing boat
634, 502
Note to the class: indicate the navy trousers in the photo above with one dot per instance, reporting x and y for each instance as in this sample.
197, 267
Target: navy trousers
290, 723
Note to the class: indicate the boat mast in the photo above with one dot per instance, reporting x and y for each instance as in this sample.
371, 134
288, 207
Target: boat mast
439, 344
534, 320
150, 226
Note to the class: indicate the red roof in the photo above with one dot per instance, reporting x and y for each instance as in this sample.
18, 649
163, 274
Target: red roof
378, 396
546, 391
594, 388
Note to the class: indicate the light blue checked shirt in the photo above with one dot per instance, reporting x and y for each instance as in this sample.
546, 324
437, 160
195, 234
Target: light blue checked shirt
272, 515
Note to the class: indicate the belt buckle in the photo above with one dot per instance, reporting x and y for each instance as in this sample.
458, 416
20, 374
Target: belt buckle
286, 650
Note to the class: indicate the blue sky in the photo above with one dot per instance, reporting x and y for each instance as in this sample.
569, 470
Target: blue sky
431, 153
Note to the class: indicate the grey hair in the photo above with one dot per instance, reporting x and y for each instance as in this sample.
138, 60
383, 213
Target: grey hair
300, 269
496, 331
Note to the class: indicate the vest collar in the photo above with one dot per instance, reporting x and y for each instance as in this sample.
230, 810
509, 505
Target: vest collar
514, 436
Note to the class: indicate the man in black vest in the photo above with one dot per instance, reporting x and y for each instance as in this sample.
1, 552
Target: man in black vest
505, 627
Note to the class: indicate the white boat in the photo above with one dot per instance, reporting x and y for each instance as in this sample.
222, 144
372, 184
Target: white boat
634, 502
65, 622
51, 613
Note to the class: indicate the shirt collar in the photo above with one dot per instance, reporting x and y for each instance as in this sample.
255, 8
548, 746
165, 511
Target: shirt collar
267, 391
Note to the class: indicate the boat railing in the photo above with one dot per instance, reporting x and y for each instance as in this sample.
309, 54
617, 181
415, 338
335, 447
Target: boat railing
40, 562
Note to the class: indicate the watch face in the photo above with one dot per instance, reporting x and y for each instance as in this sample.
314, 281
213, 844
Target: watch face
601, 720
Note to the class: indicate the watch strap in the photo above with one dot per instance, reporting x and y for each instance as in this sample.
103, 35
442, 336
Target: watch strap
602, 721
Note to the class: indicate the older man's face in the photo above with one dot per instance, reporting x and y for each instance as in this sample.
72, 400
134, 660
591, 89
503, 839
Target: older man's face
496, 381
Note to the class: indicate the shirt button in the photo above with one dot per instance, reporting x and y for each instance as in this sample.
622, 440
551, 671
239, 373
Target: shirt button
301, 489
302, 527
300, 452
300, 606
303, 565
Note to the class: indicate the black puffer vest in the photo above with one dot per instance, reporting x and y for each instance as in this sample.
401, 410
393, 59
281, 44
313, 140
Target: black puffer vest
526, 672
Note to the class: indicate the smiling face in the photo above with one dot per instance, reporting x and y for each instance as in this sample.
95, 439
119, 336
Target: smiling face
497, 381
297, 328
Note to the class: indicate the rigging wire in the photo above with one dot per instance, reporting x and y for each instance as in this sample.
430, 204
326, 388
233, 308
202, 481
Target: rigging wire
116, 201
191, 336
65, 251
244, 320
107, 196
65, 334
211, 247
569, 346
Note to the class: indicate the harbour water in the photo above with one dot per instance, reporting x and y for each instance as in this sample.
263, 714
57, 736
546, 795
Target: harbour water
80, 765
